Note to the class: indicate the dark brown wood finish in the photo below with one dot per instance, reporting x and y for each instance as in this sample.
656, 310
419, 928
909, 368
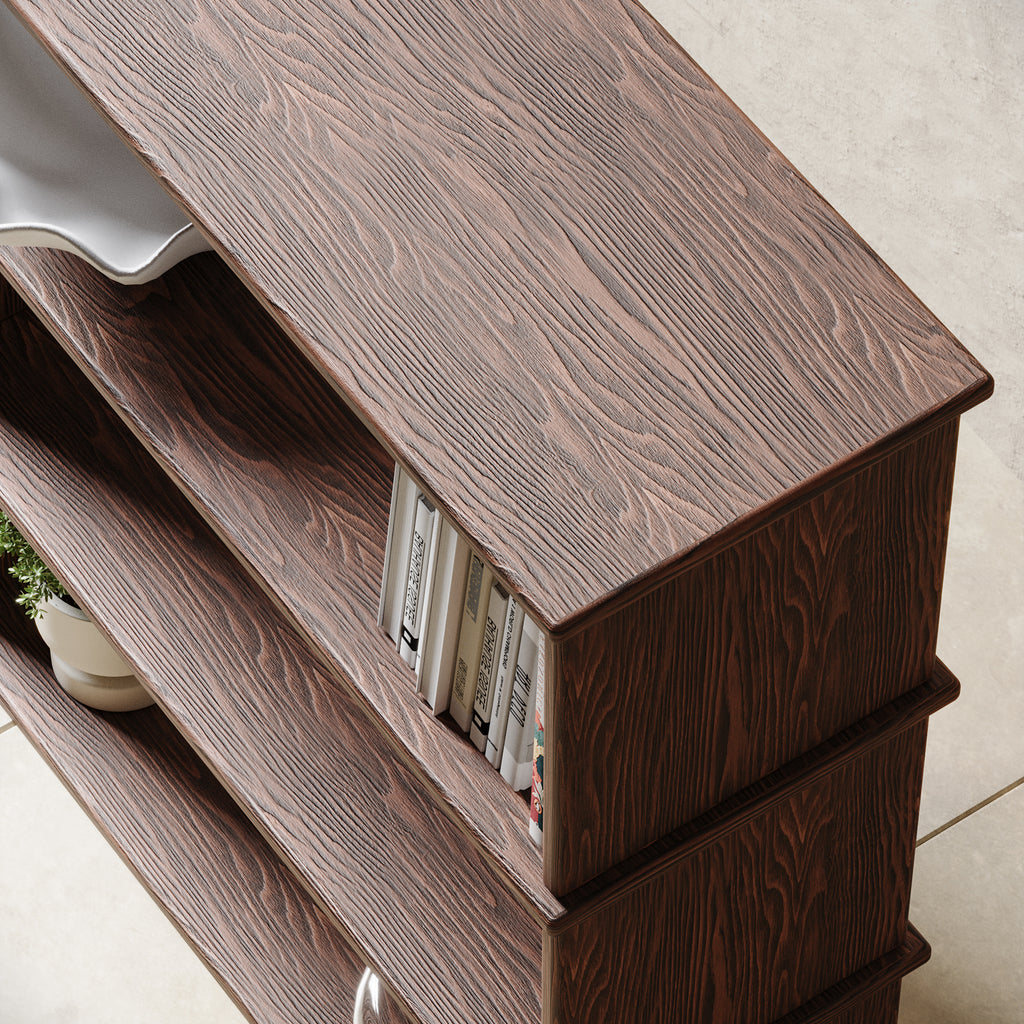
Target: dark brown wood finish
298, 752
10, 301
870, 995
217, 880
758, 799
538, 251
295, 486
752, 657
726, 934
535, 254
244, 425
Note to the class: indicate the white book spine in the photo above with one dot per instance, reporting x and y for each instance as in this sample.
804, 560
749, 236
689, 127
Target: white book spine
416, 580
512, 634
396, 554
471, 634
440, 641
517, 757
490, 656
429, 570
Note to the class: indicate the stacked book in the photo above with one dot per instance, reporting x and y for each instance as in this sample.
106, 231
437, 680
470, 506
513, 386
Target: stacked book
476, 653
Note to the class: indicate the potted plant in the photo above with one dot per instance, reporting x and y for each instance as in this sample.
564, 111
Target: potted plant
84, 661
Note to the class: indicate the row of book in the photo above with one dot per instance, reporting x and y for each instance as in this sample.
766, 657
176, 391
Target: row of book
476, 652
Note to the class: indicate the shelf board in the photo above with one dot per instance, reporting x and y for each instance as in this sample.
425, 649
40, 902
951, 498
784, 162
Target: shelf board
300, 753
851, 995
543, 256
217, 880
285, 475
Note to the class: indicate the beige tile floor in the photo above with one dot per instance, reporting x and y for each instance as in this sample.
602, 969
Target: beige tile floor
81, 942
910, 119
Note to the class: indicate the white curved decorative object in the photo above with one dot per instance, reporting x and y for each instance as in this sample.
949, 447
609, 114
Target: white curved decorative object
67, 181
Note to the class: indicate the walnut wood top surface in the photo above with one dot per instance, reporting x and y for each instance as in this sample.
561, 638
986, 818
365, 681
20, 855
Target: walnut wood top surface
545, 259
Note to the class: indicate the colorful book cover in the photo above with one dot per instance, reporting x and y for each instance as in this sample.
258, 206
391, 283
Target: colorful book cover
537, 787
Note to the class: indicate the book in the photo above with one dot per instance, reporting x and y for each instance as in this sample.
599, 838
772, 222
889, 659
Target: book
422, 549
396, 554
517, 755
490, 656
511, 634
440, 640
537, 781
471, 635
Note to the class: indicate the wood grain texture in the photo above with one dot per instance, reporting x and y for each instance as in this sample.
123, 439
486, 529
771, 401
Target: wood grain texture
218, 881
549, 266
756, 924
757, 654
297, 750
870, 995
294, 485
539, 252
758, 799
10, 301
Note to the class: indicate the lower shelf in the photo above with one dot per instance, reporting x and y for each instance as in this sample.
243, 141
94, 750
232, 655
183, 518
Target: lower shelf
197, 854
871, 995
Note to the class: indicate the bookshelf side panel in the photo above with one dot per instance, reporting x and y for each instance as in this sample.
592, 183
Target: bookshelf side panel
772, 913
10, 301
750, 658
881, 1007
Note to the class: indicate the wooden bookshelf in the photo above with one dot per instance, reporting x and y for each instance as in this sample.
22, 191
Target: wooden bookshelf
707, 437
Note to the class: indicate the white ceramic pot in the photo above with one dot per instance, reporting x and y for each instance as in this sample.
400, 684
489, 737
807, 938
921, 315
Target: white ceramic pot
85, 663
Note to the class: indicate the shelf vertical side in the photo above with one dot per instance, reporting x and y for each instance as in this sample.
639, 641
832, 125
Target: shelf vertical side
725, 672
722, 932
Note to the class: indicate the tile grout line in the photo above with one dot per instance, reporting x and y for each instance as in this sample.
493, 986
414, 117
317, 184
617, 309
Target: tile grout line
971, 810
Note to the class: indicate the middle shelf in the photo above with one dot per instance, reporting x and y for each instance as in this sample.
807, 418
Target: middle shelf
200, 858
300, 752
286, 476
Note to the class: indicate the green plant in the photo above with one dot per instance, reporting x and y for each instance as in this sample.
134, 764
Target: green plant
38, 584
